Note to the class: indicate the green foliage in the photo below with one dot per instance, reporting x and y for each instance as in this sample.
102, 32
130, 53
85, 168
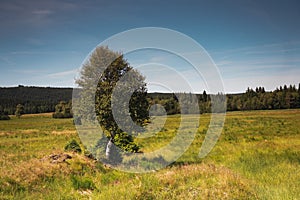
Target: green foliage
19, 110
283, 98
4, 115
103, 103
172, 105
122, 141
34, 99
73, 146
63, 110
125, 142
61, 115
105, 69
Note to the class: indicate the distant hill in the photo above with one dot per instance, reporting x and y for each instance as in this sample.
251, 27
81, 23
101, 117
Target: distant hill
34, 99
44, 99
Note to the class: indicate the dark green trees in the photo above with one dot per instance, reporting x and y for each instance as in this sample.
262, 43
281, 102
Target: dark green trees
34, 99
73, 146
63, 110
285, 97
171, 105
4, 115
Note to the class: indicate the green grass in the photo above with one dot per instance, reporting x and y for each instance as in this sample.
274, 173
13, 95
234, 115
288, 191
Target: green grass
256, 157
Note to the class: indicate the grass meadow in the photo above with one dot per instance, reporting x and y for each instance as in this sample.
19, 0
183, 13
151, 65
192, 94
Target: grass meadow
256, 157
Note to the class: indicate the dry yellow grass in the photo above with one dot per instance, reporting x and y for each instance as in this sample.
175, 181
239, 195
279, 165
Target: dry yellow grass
205, 181
64, 132
35, 115
34, 171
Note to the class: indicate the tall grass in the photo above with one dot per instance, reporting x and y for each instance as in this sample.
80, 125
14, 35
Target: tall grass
256, 157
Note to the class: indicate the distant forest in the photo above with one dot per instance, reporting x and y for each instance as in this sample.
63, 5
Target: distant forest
44, 99
34, 99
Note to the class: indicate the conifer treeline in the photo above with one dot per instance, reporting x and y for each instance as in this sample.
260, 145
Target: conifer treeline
282, 98
253, 99
44, 99
34, 99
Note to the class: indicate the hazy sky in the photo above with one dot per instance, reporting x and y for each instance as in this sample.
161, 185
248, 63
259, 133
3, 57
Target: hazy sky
253, 43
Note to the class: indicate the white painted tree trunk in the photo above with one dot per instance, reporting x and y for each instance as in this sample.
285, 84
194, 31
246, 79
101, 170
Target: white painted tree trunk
109, 149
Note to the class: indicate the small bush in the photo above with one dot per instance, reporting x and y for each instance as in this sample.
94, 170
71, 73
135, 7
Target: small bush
4, 117
62, 115
126, 143
63, 110
73, 146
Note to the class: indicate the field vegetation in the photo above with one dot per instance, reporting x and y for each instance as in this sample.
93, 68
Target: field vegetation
256, 157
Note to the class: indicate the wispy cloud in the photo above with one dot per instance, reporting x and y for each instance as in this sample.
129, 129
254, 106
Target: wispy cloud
32, 13
42, 12
6, 60
258, 63
270, 82
282, 47
35, 41
267, 65
68, 73
30, 71
270, 54
42, 52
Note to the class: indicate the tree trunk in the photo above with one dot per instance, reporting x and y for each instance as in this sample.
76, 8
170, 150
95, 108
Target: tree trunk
109, 146
108, 151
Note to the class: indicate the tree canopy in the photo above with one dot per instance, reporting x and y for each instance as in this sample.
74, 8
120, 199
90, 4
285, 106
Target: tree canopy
63, 110
120, 97
19, 110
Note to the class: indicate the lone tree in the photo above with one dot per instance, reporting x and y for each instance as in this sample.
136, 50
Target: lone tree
19, 110
107, 69
63, 110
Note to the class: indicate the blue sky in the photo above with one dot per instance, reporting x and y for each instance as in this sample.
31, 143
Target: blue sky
253, 42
